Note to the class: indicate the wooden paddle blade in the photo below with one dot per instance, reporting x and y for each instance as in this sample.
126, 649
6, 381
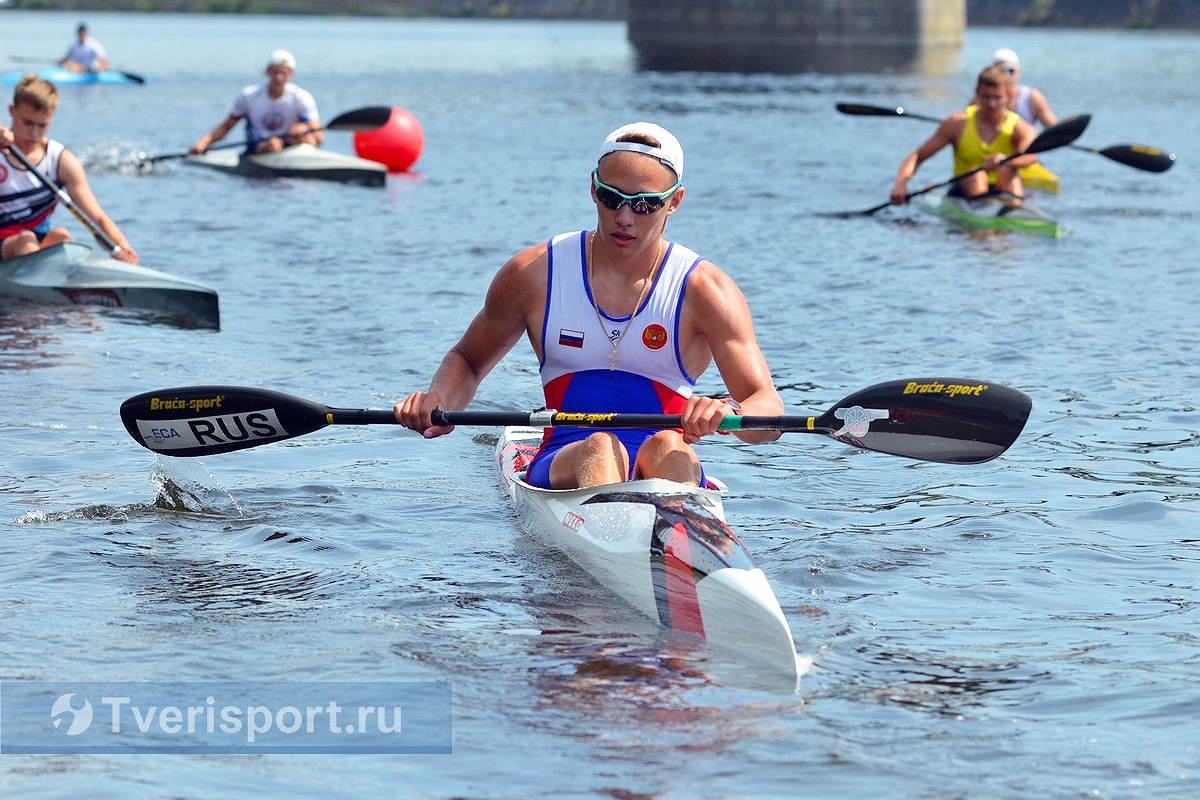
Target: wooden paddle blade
1060, 134
206, 420
949, 420
1140, 157
361, 119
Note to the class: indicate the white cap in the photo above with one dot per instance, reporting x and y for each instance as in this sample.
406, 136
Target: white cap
1004, 54
283, 57
669, 151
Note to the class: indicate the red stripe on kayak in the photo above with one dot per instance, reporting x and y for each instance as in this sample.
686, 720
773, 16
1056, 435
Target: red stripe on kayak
682, 602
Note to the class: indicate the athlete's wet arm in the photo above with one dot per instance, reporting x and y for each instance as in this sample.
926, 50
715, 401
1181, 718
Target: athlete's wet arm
728, 329
493, 332
74, 179
215, 135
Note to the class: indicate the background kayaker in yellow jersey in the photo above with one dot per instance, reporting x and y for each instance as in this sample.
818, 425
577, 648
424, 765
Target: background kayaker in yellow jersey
983, 135
27, 201
1030, 104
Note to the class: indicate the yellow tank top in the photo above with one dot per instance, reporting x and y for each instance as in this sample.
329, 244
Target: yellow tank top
973, 151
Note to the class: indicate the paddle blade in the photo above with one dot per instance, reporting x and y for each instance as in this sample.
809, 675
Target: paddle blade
361, 119
207, 420
1140, 157
854, 109
1060, 135
857, 110
950, 420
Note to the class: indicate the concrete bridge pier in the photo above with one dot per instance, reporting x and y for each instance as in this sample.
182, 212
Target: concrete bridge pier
836, 36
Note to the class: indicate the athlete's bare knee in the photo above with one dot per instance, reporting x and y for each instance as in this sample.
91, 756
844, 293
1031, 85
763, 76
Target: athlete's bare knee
667, 455
596, 460
56, 236
20, 244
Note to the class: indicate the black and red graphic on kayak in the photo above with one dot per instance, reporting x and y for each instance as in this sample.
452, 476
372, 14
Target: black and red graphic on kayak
688, 543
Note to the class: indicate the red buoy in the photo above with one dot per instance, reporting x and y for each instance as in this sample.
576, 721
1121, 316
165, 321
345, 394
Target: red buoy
396, 145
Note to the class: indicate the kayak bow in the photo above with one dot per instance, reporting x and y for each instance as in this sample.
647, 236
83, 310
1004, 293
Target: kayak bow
71, 274
662, 547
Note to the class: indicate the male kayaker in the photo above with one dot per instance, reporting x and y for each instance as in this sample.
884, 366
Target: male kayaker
86, 54
621, 320
983, 135
1029, 103
27, 201
278, 113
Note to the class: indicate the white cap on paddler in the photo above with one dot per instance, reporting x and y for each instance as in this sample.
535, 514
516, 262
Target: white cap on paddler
283, 57
669, 151
1004, 55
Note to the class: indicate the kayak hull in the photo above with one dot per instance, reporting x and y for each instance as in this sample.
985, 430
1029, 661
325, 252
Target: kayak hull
991, 213
64, 77
297, 161
664, 548
71, 274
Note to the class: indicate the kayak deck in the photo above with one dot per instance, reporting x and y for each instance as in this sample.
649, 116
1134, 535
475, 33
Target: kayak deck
1037, 176
297, 161
664, 548
991, 212
71, 274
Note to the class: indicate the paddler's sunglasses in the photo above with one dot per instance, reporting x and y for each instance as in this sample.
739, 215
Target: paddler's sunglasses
644, 203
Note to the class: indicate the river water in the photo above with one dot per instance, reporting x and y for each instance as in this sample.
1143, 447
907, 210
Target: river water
1025, 628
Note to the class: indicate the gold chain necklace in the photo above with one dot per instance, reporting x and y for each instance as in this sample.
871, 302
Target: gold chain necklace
614, 357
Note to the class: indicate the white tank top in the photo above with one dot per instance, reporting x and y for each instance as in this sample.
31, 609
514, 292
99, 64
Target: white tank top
26, 203
267, 116
576, 369
1024, 107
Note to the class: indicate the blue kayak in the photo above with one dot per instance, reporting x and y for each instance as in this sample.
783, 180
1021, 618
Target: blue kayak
61, 76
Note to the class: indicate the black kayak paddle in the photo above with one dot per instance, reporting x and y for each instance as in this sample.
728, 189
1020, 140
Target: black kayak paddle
951, 420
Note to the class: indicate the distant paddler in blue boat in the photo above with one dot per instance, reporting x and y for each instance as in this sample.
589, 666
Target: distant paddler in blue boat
86, 54
86, 61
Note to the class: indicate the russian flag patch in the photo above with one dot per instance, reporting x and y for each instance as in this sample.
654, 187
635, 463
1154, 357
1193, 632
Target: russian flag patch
569, 338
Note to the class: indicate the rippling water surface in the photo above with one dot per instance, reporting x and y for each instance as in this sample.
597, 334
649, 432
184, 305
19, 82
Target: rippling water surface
1024, 628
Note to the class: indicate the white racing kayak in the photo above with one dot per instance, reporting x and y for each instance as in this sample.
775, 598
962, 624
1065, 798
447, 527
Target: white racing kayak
664, 548
297, 161
71, 274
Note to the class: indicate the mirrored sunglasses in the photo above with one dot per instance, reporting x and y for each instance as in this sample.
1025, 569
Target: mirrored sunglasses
644, 203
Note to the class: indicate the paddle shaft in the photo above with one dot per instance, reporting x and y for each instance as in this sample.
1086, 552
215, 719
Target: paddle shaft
66, 200
368, 118
1138, 156
950, 420
567, 419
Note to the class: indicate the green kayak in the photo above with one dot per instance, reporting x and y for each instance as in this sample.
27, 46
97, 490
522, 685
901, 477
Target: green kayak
992, 212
